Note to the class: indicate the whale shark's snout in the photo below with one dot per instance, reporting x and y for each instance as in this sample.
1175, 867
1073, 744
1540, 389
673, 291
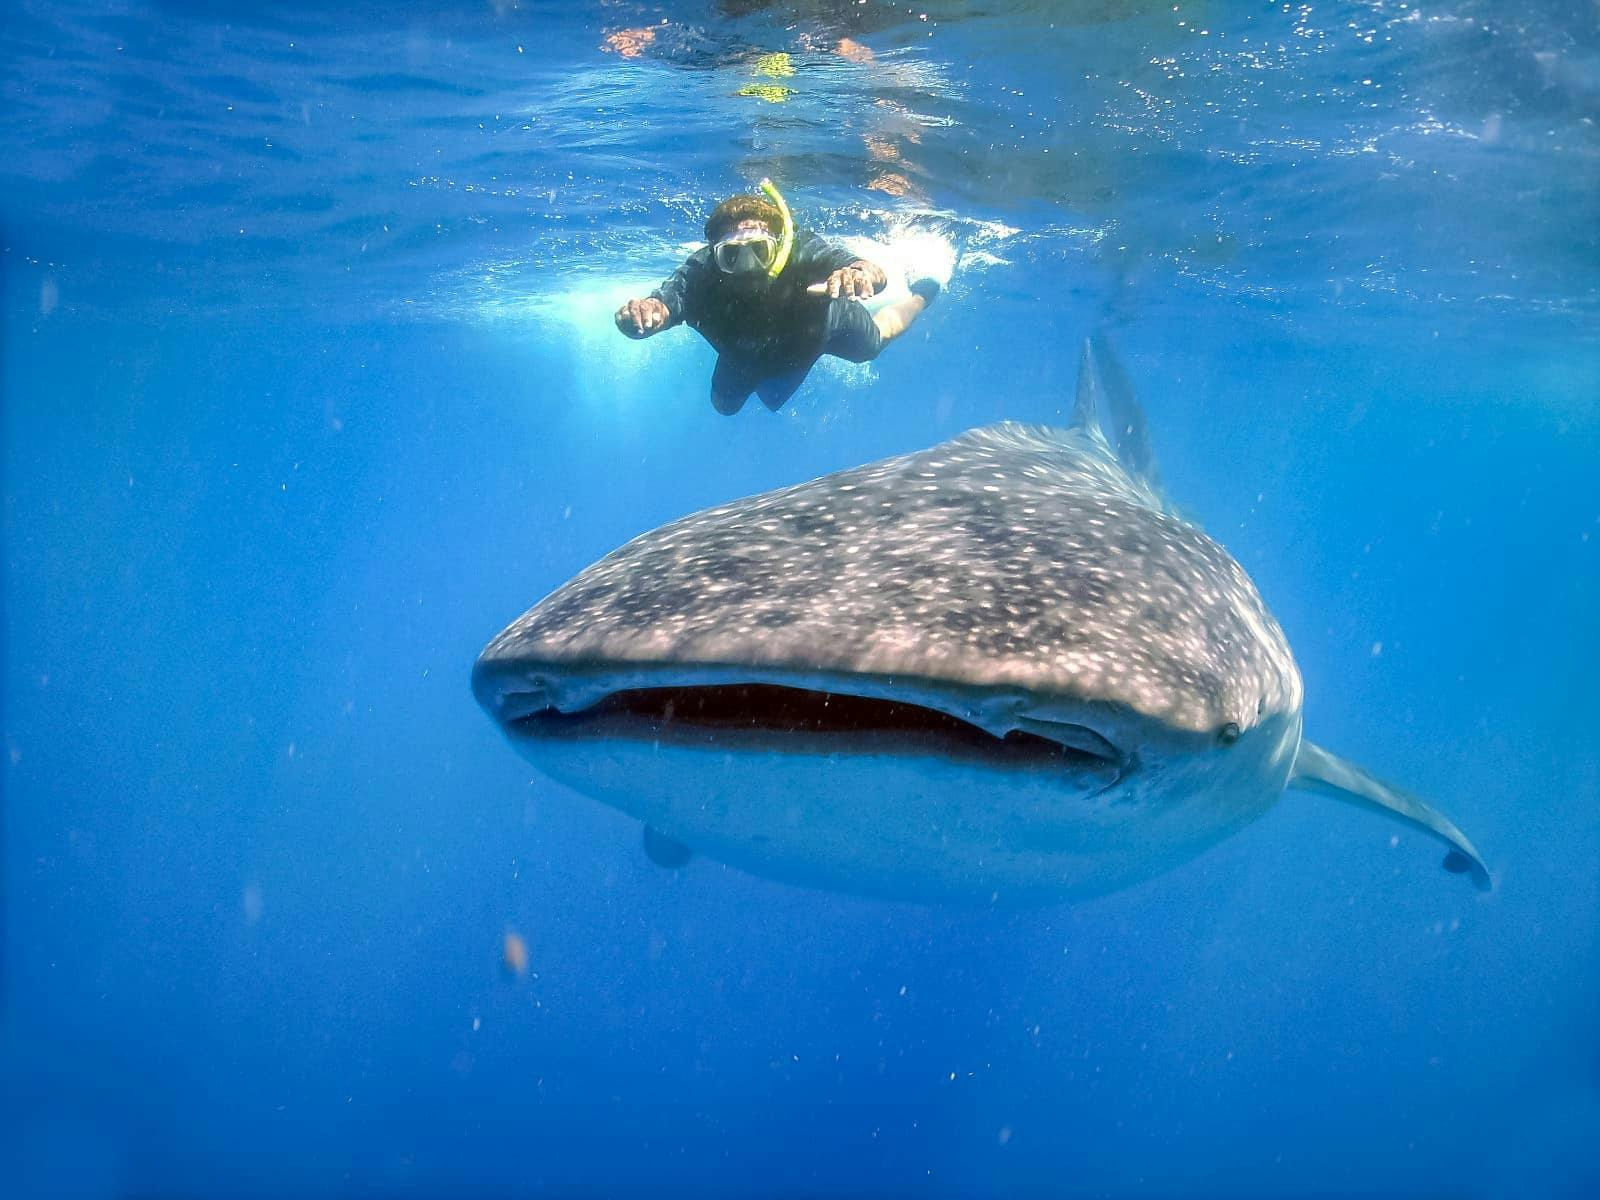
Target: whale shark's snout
1002, 668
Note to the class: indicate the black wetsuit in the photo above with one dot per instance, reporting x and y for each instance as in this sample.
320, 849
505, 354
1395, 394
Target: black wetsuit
767, 340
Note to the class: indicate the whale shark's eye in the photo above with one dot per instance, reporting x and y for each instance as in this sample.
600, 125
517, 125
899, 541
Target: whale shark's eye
1228, 734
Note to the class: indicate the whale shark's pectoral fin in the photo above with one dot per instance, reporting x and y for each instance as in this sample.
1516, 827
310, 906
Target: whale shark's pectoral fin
665, 851
1315, 770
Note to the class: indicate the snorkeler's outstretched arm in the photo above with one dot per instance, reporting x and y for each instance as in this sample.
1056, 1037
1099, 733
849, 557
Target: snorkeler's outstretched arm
860, 278
838, 272
643, 318
663, 308
833, 268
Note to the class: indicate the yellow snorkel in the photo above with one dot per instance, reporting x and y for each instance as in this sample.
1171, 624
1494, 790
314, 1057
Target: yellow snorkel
786, 242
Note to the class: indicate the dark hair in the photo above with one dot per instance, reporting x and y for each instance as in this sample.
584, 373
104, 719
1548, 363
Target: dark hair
743, 208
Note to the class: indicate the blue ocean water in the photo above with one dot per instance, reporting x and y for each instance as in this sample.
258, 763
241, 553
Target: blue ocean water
310, 386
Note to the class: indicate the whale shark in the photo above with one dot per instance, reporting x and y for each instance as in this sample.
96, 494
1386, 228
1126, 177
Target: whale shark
1001, 669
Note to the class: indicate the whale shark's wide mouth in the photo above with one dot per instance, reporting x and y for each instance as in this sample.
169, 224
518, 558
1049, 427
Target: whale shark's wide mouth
767, 716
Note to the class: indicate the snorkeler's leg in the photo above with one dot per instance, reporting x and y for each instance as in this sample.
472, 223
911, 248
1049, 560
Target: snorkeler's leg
776, 391
894, 319
731, 385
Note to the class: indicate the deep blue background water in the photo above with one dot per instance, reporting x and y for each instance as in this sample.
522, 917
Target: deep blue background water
309, 387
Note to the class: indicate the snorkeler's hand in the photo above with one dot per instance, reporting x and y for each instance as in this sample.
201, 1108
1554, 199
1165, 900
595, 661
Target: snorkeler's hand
859, 279
641, 318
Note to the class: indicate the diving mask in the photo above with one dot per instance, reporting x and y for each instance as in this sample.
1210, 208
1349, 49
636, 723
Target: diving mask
746, 252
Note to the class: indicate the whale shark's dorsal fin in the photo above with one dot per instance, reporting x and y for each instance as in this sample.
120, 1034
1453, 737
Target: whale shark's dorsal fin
1315, 770
1105, 407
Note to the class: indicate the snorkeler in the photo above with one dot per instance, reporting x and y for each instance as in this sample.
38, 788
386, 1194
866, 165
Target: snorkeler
772, 300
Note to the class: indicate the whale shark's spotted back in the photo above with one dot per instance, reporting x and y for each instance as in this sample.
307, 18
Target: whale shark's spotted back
1012, 556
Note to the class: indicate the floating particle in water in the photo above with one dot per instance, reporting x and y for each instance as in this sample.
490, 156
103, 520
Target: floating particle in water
252, 903
514, 956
